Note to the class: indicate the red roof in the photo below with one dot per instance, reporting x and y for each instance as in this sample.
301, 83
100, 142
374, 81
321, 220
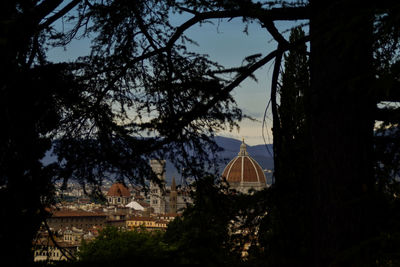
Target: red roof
118, 190
244, 168
76, 213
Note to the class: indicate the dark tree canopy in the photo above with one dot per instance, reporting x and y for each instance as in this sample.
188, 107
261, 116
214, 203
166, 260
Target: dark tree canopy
290, 193
218, 226
115, 247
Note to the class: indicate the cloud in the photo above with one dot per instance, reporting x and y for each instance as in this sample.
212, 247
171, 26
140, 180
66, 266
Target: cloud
254, 114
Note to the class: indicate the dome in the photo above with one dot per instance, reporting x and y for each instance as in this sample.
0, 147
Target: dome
243, 172
118, 190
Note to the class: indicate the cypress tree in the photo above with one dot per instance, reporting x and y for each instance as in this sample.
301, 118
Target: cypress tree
290, 219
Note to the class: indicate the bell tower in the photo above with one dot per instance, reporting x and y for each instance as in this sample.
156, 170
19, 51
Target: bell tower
173, 195
157, 191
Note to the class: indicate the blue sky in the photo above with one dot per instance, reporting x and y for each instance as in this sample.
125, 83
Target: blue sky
226, 43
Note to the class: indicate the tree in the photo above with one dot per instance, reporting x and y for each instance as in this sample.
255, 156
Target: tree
216, 228
72, 106
201, 235
139, 94
31, 99
113, 247
340, 109
292, 182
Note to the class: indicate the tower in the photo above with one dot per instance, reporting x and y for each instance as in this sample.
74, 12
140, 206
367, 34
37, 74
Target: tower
173, 195
157, 192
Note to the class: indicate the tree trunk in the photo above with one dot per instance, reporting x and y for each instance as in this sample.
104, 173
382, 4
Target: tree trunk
340, 107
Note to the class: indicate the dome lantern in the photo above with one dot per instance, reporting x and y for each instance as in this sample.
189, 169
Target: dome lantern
243, 150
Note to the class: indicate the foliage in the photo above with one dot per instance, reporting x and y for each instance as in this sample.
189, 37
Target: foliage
285, 242
214, 230
387, 133
386, 136
106, 114
201, 235
113, 247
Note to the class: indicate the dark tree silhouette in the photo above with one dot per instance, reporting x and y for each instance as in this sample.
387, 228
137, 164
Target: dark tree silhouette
31, 98
218, 227
340, 108
202, 234
117, 247
290, 192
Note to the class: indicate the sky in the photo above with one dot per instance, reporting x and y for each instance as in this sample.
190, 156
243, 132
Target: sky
226, 43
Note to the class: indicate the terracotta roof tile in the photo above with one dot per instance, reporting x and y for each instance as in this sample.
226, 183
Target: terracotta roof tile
118, 190
243, 168
76, 213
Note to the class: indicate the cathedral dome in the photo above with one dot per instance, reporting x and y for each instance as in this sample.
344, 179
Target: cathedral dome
118, 190
243, 172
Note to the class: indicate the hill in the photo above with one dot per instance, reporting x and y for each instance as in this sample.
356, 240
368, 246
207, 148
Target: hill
261, 153
230, 148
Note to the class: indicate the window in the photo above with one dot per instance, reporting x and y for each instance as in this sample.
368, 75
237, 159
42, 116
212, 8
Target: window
119, 200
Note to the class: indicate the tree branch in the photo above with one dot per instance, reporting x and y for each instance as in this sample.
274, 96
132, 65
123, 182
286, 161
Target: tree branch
40, 11
270, 26
199, 110
59, 14
264, 15
274, 87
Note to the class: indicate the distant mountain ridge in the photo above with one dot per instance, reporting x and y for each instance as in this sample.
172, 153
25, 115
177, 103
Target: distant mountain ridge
261, 153
230, 148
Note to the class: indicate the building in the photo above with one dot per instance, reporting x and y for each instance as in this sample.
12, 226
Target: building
164, 199
157, 190
173, 197
118, 195
168, 216
73, 236
80, 219
244, 173
147, 223
45, 250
